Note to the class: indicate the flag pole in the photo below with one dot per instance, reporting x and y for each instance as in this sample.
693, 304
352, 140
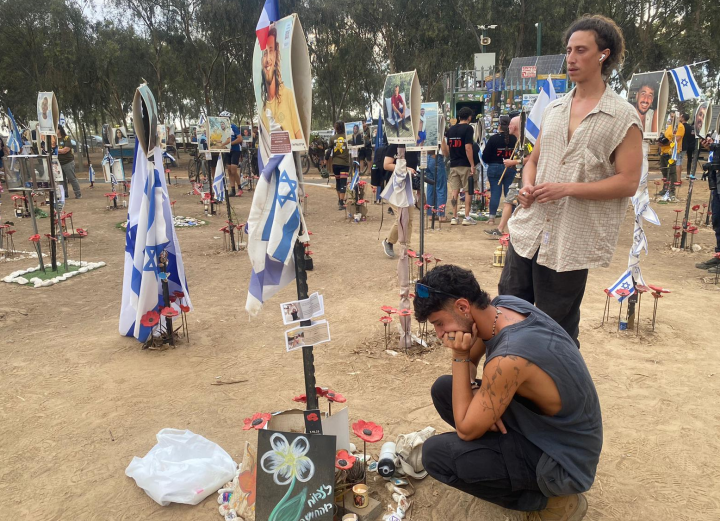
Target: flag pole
302, 293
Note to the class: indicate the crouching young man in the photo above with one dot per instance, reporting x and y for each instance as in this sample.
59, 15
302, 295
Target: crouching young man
528, 434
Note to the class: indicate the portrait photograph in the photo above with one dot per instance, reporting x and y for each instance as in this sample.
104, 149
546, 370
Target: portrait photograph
246, 133
119, 137
219, 131
106, 134
702, 119
428, 136
273, 83
648, 94
397, 108
354, 133
46, 121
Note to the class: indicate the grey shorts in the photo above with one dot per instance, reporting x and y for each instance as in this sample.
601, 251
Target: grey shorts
512, 194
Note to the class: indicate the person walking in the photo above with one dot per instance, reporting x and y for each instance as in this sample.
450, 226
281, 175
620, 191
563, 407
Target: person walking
458, 146
668, 167
688, 143
499, 148
585, 166
232, 158
340, 162
67, 162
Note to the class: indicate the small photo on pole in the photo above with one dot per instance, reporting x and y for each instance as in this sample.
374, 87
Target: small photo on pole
401, 107
48, 113
219, 133
120, 137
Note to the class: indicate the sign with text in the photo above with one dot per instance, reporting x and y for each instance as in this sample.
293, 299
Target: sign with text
296, 476
529, 71
280, 143
297, 310
314, 334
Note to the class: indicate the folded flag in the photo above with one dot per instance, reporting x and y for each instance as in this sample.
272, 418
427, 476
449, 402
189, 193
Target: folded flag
547, 95
91, 174
685, 82
273, 225
14, 139
218, 186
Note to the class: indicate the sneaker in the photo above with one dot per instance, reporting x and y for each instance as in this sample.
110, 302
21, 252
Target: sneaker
468, 221
714, 261
388, 248
494, 233
565, 508
453, 221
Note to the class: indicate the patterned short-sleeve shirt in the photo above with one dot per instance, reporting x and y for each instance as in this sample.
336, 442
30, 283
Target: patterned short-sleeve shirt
571, 233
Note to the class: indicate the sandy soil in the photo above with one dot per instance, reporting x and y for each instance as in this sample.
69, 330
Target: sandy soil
78, 401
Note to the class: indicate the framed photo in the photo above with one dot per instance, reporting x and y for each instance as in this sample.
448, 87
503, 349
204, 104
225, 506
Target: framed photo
401, 107
219, 131
119, 137
648, 93
48, 113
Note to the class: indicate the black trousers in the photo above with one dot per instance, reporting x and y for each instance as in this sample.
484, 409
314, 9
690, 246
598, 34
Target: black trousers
558, 294
499, 468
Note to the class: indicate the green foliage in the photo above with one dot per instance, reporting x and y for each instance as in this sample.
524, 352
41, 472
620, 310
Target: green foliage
197, 54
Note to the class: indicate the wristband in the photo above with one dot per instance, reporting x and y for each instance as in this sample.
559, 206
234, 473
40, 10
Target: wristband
461, 360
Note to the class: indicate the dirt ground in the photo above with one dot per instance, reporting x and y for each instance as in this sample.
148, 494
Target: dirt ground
78, 401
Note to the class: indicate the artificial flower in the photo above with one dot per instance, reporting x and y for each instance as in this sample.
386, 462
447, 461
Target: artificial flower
344, 460
386, 319
169, 312
367, 431
150, 319
302, 398
257, 421
335, 397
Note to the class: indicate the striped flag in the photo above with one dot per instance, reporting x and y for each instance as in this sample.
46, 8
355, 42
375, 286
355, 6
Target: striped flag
149, 232
14, 139
546, 96
356, 176
273, 225
270, 14
685, 82
218, 185
624, 282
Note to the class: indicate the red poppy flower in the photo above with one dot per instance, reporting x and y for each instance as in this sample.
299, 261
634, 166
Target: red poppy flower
405, 313
361, 201
310, 233
257, 421
169, 312
66, 235
308, 252
321, 391
302, 398
411, 253
248, 484
50, 237
34, 238
427, 207
419, 263
312, 417
150, 319
344, 460
717, 255
368, 431
335, 397
184, 308
437, 259
386, 319
172, 203
642, 289
224, 229
696, 208
411, 295
393, 311
427, 257
622, 292
179, 294
677, 210
173, 299
658, 289
362, 183
386, 309
81, 232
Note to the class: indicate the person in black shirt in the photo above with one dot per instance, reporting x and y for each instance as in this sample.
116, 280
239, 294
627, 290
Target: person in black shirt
688, 143
412, 160
458, 148
499, 147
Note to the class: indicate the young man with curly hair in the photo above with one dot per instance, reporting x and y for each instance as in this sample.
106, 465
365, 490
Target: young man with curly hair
576, 185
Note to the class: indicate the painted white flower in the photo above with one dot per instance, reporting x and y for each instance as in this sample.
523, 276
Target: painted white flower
286, 461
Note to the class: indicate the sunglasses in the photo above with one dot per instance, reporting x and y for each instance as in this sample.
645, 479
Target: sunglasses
423, 291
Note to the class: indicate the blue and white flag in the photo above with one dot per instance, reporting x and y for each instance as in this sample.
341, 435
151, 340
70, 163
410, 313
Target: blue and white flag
91, 174
218, 185
546, 96
62, 120
168, 156
273, 225
14, 139
685, 82
149, 231
356, 176
624, 282
379, 133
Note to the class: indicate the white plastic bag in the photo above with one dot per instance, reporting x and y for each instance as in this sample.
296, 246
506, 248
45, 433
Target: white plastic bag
182, 468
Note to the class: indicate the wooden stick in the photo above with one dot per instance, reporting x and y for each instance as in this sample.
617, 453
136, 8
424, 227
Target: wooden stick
513, 153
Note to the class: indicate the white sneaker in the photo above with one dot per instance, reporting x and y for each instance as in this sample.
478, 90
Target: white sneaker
453, 221
469, 222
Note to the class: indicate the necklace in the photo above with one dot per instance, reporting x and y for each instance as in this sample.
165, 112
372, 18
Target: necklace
497, 314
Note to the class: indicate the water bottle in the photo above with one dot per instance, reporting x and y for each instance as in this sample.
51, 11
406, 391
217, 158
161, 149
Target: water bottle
386, 463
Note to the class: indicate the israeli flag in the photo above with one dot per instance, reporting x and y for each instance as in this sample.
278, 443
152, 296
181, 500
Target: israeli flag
14, 139
685, 82
624, 282
149, 231
62, 120
272, 226
91, 174
356, 176
202, 119
218, 186
532, 126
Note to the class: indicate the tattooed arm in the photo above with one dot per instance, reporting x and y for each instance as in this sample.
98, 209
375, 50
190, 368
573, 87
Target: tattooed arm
475, 415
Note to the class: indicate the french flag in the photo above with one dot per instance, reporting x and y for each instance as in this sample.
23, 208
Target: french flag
269, 15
